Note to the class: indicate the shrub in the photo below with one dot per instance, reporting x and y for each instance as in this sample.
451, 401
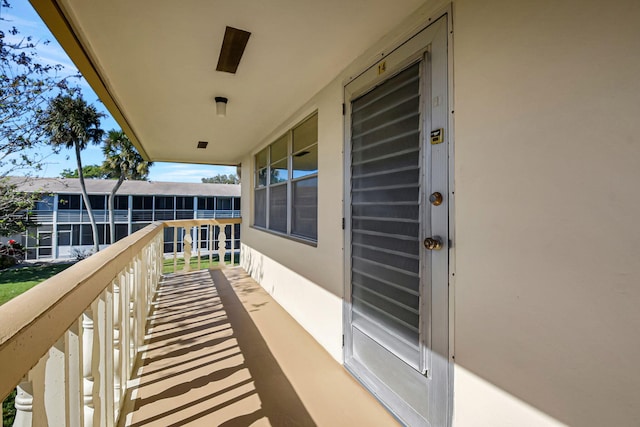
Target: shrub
7, 261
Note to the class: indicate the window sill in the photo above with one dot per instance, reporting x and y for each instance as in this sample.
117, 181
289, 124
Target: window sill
297, 239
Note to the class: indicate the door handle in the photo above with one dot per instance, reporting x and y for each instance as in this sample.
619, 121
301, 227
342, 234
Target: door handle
433, 243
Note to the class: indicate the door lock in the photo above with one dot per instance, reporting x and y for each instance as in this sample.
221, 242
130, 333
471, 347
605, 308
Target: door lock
433, 243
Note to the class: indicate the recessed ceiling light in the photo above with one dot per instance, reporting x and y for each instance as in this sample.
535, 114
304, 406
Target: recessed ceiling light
202, 144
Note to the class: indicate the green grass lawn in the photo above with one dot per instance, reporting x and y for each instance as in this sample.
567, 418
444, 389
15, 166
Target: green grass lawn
167, 265
15, 281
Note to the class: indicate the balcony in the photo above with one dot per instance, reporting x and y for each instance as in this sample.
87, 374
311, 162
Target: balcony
122, 215
114, 341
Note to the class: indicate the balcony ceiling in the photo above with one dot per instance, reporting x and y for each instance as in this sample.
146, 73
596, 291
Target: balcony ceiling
154, 64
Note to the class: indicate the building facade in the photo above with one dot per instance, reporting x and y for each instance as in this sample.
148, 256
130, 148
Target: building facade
64, 229
499, 284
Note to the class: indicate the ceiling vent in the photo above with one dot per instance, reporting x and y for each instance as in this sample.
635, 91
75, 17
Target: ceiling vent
233, 45
202, 144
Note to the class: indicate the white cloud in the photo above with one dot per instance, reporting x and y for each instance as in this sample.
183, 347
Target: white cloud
173, 172
21, 23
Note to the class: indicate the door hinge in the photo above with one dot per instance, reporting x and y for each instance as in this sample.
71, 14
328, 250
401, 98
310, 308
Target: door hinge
343, 109
342, 340
343, 223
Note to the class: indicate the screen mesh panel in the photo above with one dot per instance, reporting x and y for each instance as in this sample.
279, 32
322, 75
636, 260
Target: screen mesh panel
305, 208
260, 200
278, 208
385, 214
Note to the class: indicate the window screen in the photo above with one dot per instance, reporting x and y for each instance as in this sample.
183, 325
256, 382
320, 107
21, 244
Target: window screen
260, 201
305, 208
286, 182
278, 208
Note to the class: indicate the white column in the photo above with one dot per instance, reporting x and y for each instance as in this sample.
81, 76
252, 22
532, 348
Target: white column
129, 214
195, 207
54, 236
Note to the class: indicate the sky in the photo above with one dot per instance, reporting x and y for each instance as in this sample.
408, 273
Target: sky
22, 16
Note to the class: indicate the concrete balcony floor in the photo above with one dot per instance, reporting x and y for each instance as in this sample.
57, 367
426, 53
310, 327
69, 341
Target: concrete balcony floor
221, 352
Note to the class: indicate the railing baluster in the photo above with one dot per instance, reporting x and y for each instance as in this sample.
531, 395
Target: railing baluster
132, 318
117, 365
222, 246
87, 366
141, 295
210, 229
125, 331
105, 333
48, 380
175, 249
24, 404
186, 247
233, 244
73, 376
198, 239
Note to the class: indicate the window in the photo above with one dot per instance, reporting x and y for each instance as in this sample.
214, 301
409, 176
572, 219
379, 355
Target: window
121, 231
286, 183
121, 203
86, 234
97, 202
143, 202
206, 203
68, 201
45, 203
184, 203
223, 204
164, 203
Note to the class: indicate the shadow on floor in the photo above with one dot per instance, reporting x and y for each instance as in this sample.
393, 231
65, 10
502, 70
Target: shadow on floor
207, 364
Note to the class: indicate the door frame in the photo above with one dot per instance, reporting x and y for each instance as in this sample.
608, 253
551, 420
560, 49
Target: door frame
435, 39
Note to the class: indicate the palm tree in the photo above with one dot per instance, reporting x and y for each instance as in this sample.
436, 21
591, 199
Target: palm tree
122, 161
70, 122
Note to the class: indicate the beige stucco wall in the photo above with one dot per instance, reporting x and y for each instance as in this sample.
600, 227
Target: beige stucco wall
547, 175
306, 280
547, 169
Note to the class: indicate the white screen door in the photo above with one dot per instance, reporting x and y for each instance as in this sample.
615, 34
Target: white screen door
396, 316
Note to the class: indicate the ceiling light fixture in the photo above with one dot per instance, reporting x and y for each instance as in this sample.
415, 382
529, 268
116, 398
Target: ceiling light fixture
221, 106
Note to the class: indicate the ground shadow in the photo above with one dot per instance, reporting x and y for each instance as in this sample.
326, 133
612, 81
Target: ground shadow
200, 369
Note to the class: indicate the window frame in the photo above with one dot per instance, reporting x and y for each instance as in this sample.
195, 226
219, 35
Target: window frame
288, 183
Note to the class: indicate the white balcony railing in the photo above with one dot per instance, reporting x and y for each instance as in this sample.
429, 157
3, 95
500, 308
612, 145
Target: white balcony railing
70, 344
122, 216
76, 216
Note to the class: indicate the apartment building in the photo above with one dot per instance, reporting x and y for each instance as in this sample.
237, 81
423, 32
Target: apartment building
64, 229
